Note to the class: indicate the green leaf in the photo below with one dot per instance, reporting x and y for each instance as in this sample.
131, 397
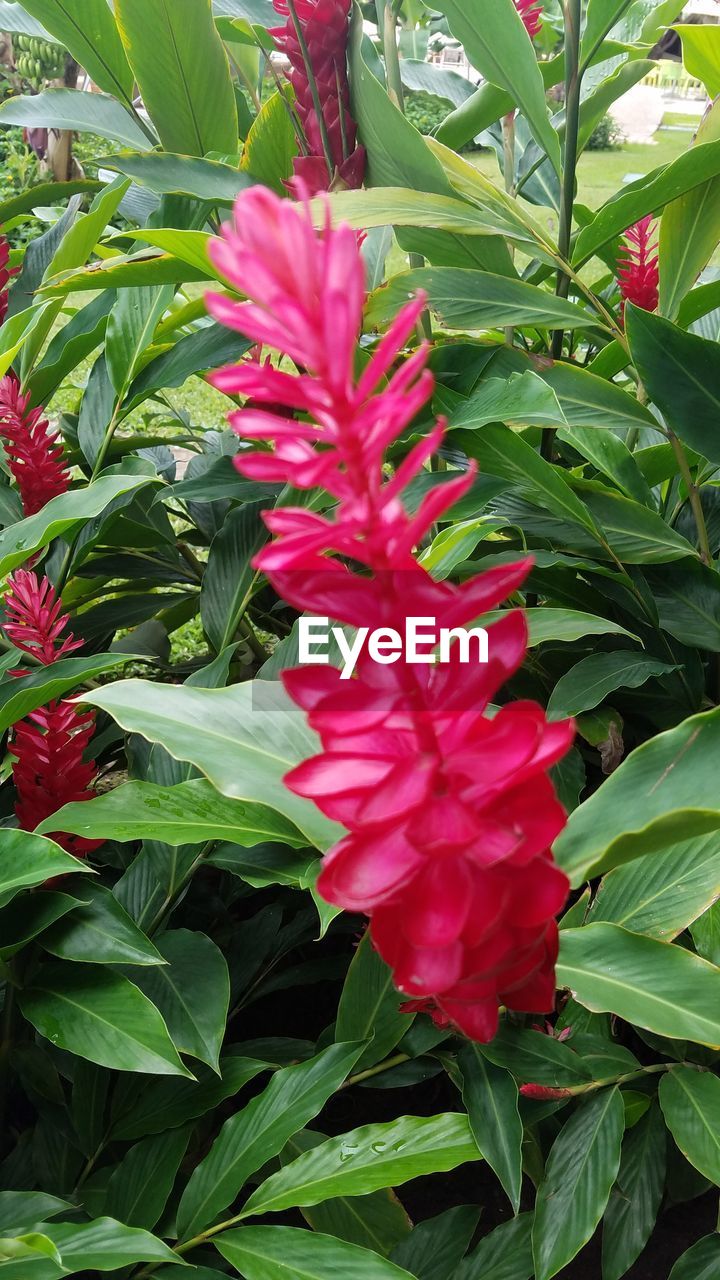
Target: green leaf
535, 1058
636, 1197
680, 372
77, 339
634, 533
244, 739
16, 331
270, 144
663, 791
31, 1247
190, 246
593, 679
189, 813
687, 597
141, 1183
701, 1262
368, 1008
130, 330
138, 270
168, 174
105, 1245
701, 54
192, 992
402, 207
522, 400
498, 46
261, 1253
182, 71
491, 1098
29, 860
504, 1254
465, 299
648, 195
253, 1136
97, 1014
35, 912
87, 29
612, 458
229, 579
566, 625
706, 934
165, 1104
82, 112
656, 985
21, 1210
601, 17
579, 1174
208, 348
689, 230
62, 515
661, 893
100, 932
23, 694
690, 1101
434, 1248
368, 1159
15, 18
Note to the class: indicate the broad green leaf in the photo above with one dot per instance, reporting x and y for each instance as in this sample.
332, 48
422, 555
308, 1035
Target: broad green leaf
253, 1136
87, 29
31, 1247
601, 17
267, 864
192, 992
589, 401
189, 813
45, 193
648, 194
141, 1183
465, 299
593, 679
701, 54
680, 372
270, 144
368, 1159
491, 1098
661, 893
207, 348
168, 174
523, 400
434, 1248
162, 1105
566, 625
62, 515
77, 339
29, 860
100, 932
635, 1198
82, 112
690, 1101
261, 1253
503, 1254
535, 1058
689, 230
368, 1008
579, 1174
16, 331
21, 1210
656, 985
687, 596
229, 579
183, 74
97, 1014
244, 739
105, 1245
376, 1221
635, 534
16, 19
497, 44
662, 792
706, 934
440, 82
701, 1262
190, 246
22, 694
130, 330
137, 270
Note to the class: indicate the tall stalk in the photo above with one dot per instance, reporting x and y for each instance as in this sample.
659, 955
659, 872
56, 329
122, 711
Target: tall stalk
572, 11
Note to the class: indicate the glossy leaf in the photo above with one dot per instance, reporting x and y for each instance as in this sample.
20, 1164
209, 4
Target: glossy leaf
261, 1253
661, 893
97, 1014
142, 1181
165, 1104
656, 985
182, 71
465, 299
192, 992
491, 1097
701, 1262
434, 1248
593, 679
368, 1008
689, 230
690, 1101
535, 1058
579, 1174
30, 860
635, 1198
105, 1245
503, 1254
70, 109
20, 1210
100, 933
230, 578
681, 375
367, 1159
253, 1136
88, 31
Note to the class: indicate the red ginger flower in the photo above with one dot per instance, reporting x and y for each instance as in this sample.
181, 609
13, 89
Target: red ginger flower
35, 457
324, 26
531, 12
6, 275
450, 814
50, 745
638, 272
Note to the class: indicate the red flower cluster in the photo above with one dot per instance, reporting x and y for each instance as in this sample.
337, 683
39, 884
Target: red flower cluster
6, 275
449, 811
35, 457
321, 26
50, 745
531, 12
638, 272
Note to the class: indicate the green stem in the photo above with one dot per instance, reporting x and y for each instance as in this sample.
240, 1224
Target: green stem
388, 27
576, 1090
387, 1065
573, 80
694, 496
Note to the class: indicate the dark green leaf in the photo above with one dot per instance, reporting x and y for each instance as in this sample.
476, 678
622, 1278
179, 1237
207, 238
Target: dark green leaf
504, 1254
141, 1183
535, 1058
435, 1248
636, 1196
368, 1008
699, 1263
261, 1253
230, 577
100, 933
81, 112
593, 679
690, 1101
681, 374
490, 1095
192, 992
29, 860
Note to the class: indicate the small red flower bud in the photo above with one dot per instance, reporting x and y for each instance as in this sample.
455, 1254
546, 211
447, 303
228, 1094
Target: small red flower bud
544, 1092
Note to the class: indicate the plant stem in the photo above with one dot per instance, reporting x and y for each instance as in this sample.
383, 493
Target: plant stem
387, 1065
578, 1089
508, 133
573, 80
387, 25
694, 496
